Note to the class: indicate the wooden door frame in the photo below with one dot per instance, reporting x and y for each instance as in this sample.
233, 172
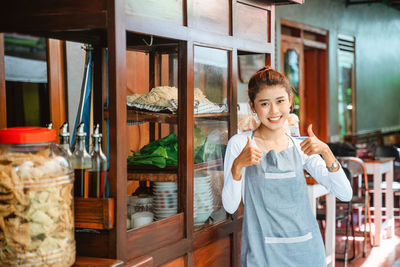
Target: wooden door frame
55, 80
321, 44
296, 44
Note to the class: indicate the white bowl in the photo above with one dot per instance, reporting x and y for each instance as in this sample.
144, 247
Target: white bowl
166, 210
167, 205
202, 178
164, 200
203, 209
203, 206
165, 215
200, 185
165, 196
202, 182
201, 191
203, 195
165, 184
164, 188
140, 219
202, 203
168, 201
167, 191
201, 218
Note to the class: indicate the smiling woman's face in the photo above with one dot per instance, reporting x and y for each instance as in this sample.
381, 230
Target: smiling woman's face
272, 105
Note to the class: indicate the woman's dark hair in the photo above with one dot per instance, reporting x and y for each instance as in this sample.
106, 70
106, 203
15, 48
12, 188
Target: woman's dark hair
269, 77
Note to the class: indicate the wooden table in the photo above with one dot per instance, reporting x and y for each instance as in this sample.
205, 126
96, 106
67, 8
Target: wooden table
377, 168
315, 191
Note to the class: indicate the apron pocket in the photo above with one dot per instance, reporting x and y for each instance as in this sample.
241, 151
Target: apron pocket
279, 175
290, 248
281, 190
287, 240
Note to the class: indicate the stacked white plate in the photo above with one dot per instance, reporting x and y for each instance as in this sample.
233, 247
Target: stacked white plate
203, 199
165, 199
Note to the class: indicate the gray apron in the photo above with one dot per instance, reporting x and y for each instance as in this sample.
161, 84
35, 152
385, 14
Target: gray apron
279, 227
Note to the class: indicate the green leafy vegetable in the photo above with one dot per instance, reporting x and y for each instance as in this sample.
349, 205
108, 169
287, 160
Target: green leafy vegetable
160, 153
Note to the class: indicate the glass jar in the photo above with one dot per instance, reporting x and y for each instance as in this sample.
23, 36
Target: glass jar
36, 199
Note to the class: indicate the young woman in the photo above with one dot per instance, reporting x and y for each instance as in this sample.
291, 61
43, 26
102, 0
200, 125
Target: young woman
265, 167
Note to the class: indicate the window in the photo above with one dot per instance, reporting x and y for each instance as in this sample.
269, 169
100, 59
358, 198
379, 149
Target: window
346, 85
27, 92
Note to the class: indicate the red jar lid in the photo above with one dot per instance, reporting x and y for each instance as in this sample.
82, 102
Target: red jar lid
27, 135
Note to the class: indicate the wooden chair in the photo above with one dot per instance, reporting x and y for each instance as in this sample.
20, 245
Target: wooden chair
354, 168
360, 198
343, 214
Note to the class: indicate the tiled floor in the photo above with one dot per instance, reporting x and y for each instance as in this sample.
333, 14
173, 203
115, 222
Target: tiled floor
383, 256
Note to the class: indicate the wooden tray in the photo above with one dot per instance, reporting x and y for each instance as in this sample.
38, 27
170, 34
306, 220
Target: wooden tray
160, 117
94, 213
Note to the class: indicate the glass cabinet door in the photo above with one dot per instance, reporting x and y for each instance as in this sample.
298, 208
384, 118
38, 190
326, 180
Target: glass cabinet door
248, 65
210, 133
153, 141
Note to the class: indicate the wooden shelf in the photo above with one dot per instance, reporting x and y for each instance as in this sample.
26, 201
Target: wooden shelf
153, 177
141, 172
148, 116
147, 168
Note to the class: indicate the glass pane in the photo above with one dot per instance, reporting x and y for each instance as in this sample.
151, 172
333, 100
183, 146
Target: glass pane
153, 140
211, 75
210, 133
345, 92
291, 69
27, 93
248, 65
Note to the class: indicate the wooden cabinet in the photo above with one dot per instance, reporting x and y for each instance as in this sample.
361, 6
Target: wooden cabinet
204, 37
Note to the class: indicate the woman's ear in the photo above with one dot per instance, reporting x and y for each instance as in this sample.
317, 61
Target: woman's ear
251, 104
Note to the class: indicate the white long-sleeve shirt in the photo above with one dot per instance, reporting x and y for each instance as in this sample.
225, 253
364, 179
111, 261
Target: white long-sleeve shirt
233, 191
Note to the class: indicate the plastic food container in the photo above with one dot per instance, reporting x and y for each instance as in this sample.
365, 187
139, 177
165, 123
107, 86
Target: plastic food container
36, 200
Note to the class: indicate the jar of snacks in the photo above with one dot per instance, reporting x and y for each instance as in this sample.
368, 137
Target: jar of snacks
36, 199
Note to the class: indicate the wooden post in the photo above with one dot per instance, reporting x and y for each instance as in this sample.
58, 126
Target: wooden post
117, 115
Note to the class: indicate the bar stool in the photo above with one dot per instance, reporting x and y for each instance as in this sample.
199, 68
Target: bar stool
391, 151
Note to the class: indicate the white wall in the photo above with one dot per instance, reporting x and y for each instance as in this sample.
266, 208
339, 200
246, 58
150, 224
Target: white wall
75, 68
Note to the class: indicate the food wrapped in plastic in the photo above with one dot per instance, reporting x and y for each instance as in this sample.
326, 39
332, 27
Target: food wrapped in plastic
36, 215
291, 125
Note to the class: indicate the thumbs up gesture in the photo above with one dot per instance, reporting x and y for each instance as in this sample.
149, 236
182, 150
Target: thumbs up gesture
312, 145
249, 156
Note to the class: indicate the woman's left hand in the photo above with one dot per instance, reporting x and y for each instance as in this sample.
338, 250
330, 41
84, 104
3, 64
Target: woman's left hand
312, 145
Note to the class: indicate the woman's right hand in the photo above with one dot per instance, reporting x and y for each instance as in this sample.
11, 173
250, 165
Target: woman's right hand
249, 156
